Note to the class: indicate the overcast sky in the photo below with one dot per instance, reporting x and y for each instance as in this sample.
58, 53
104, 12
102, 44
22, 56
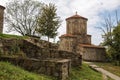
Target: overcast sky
91, 9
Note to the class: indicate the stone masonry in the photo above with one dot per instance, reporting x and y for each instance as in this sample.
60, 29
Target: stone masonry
77, 40
59, 68
1, 18
38, 57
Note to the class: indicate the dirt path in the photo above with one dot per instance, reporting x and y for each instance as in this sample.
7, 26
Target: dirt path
104, 72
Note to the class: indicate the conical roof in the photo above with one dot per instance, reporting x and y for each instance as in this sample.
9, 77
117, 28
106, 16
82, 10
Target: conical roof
2, 7
76, 16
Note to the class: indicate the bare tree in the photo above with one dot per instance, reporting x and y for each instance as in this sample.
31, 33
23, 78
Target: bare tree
111, 30
21, 16
107, 26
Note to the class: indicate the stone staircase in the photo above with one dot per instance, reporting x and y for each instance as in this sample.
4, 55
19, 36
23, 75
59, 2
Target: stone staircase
42, 57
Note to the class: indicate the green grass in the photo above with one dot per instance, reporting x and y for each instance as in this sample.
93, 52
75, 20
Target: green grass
10, 72
84, 73
110, 67
12, 36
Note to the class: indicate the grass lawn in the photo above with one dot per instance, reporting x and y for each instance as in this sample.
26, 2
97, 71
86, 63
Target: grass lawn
84, 73
12, 36
110, 67
10, 72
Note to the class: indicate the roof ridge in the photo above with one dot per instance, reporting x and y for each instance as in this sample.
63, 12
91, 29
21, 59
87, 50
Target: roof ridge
2, 6
76, 16
67, 35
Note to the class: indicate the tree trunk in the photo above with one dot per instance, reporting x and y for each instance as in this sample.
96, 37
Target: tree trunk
48, 38
48, 42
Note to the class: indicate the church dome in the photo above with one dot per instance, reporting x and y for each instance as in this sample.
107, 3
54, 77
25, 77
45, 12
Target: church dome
76, 16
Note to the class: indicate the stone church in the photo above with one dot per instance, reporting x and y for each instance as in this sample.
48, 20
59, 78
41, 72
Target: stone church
77, 40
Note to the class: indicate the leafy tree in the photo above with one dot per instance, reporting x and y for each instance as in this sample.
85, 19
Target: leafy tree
21, 16
111, 35
48, 21
116, 44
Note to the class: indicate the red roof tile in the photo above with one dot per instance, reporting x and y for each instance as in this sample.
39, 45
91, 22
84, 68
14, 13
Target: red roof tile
88, 35
2, 7
76, 16
90, 46
68, 35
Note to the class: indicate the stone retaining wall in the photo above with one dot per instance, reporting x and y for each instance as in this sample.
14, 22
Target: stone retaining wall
10, 46
58, 68
34, 51
94, 54
42, 43
40, 59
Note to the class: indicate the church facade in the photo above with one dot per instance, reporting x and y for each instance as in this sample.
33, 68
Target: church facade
77, 40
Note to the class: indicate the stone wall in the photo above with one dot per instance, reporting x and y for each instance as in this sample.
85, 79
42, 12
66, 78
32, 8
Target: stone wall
94, 54
58, 68
67, 43
32, 50
83, 39
88, 40
76, 26
42, 43
70, 43
10, 46
76, 59
1, 18
39, 58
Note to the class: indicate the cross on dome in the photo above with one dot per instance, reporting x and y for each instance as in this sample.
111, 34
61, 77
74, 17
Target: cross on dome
76, 12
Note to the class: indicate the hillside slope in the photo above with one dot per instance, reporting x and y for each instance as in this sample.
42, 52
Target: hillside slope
10, 72
84, 73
